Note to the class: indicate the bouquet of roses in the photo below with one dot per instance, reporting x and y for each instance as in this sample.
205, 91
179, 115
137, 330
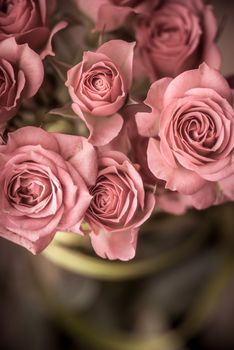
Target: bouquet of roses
141, 119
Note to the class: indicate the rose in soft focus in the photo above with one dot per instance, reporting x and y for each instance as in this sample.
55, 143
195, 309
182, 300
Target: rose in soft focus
21, 74
178, 35
27, 22
43, 179
191, 130
99, 87
118, 208
112, 14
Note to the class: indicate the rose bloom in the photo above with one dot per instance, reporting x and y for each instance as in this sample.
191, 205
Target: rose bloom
191, 130
177, 36
118, 208
99, 87
112, 14
21, 74
27, 22
43, 179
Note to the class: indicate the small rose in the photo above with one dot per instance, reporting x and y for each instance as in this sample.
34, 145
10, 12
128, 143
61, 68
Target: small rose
99, 87
191, 130
27, 22
21, 75
43, 179
118, 208
178, 35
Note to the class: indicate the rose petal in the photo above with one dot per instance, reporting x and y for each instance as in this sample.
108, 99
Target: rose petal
121, 245
177, 179
81, 154
203, 77
102, 130
121, 53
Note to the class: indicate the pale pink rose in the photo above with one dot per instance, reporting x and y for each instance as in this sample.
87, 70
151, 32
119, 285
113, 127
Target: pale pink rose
177, 36
99, 87
27, 21
43, 180
191, 130
118, 208
21, 75
112, 14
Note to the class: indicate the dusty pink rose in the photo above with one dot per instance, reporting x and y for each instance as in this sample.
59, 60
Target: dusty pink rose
99, 87
191, 130
118, 208
27, 22
177, 36
112, 14
43, 180
21, 74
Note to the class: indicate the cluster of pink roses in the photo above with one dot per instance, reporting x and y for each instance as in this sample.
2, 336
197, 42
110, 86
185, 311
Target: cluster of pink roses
54, 181
25, 40
173, 151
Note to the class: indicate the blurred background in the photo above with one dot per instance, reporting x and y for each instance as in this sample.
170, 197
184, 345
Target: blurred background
182, 301
177, 294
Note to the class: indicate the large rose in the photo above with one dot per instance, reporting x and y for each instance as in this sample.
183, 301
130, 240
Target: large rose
192, 133
118, 208
27, 21
99, 86
112, 14
21, 74
43, 179
177, 36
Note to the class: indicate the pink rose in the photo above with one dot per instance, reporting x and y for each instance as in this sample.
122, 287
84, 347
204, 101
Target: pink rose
112, 14
27, 21
191, 130
43, 180
118, 208
21, 74
99, 87
177, 36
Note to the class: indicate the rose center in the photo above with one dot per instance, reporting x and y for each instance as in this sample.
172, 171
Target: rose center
106, 196
101, 82
28, 194
98, 83
168, 34
27, 190
197, 129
